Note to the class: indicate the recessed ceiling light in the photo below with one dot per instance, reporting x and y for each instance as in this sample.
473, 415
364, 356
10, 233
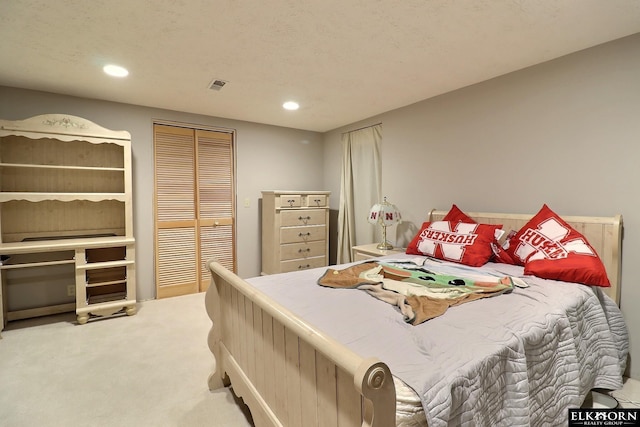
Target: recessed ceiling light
115, 70
290, 105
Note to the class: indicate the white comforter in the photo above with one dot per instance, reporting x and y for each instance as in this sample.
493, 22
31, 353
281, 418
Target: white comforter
517, 359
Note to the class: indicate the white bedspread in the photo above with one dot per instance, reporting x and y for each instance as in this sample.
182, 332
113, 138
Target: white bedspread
517, 359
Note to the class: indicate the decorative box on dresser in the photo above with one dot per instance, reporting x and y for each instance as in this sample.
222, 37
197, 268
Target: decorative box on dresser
295, 230
65, 218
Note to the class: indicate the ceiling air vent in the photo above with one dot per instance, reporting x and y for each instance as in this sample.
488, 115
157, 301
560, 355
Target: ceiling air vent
217, 84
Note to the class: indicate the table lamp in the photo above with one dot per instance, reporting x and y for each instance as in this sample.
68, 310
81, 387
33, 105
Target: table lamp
385, 214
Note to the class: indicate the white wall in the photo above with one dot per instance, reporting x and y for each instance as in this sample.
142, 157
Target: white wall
565, 133
268, 158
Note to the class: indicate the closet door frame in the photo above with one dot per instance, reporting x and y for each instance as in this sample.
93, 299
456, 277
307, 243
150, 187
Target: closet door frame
200, 283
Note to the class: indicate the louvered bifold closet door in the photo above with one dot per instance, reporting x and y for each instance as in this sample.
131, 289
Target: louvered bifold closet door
195, 207
176, 231
216, 201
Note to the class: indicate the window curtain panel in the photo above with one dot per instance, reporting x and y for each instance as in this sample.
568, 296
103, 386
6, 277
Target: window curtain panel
361, 188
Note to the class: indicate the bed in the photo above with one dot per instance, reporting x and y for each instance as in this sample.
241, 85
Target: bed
298, 362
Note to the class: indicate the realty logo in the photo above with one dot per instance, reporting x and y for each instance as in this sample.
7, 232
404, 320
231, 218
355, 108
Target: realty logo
543, 242
604, 417
452, 242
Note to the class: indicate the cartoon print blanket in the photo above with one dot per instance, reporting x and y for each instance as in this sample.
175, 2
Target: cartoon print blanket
419, 292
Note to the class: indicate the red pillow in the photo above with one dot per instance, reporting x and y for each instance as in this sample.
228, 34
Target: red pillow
550, 248
465, 243
456, 215
499, 254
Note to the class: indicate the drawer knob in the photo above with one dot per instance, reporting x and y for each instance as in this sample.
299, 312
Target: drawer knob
305, 219
304, 250
317, 201
307, 234
302, 267
291, 202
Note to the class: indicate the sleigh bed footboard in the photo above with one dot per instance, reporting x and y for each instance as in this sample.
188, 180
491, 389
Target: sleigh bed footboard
287, 372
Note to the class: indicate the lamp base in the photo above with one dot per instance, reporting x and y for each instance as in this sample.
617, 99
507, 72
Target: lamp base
385, 246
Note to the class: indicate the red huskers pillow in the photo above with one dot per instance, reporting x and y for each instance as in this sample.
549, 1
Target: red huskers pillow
456, 215
464, 243
550, 248
499, 254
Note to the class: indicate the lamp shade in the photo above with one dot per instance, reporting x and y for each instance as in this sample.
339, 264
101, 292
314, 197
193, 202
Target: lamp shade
384, 213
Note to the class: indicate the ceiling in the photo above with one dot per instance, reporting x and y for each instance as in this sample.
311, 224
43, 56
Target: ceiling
341, 60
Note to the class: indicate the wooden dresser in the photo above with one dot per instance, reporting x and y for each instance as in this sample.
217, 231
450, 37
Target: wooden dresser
295, 230
66, 237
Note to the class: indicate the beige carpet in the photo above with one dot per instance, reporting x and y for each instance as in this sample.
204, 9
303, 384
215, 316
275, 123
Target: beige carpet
150, 369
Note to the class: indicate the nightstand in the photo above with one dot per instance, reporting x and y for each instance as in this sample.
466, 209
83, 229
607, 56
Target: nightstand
364, 252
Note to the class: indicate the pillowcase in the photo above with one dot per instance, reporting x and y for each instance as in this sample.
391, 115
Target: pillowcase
550, 248
499, 254
464, 243
456, 215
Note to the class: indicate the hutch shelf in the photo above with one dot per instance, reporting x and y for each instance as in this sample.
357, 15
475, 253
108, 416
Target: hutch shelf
66, 223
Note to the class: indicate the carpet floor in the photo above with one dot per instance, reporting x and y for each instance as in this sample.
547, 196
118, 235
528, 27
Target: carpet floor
149, 369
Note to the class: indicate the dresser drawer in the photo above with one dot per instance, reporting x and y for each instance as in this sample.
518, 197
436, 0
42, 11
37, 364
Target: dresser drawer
303, 217
316, 200
359, 256
302, 264
303, 250
302, 234
290, 201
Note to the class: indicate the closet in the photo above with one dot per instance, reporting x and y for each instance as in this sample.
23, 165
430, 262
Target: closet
194, 206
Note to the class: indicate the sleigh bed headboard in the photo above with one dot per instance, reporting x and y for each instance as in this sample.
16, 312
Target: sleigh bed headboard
603, 233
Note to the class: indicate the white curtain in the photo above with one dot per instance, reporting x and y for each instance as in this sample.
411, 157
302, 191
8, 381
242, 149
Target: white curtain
361, 188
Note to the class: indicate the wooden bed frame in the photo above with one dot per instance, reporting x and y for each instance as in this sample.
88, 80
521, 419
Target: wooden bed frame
290, 374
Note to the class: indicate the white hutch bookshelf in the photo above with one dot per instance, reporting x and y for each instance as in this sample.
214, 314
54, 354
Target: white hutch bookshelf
66, 206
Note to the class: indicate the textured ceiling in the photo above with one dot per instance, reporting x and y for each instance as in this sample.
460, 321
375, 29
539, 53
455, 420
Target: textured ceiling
342, 60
